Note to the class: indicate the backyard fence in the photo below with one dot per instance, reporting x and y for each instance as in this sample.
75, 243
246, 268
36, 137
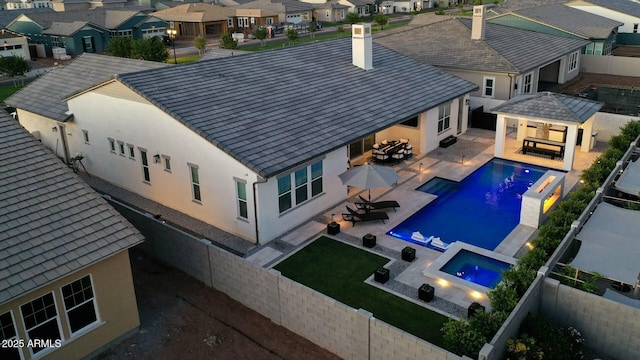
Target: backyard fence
347, 332
610, 65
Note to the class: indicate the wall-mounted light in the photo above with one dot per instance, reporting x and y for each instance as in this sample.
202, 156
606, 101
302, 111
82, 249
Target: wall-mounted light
467, 101
54, 129
156, 158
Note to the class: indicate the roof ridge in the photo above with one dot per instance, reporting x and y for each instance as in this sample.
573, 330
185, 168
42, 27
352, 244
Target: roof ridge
486, 44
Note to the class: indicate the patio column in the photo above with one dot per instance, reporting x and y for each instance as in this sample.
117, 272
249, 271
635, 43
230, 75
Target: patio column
501, 133
587, 139
570, 147
522, 129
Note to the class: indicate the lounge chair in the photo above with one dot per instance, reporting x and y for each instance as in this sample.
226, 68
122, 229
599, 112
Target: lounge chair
354, 216
379, 205
437, 243
419, 238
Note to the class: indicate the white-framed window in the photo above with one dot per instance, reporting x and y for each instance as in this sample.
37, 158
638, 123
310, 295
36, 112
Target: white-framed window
55, 42
79, 304
41, 320
85, 136
635, 28
240, 22
9, 338
145, 165
489, 87
341, 14
573, 61
527, 83
300, 192
444, 117
269, 21
121, 148
241, 196
132, 152
245, 21
112, 145
166, 160
195, 182
229, 22
253, 20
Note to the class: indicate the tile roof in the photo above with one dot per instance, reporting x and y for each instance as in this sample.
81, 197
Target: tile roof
284, 6
195, 12
312, 99
51, 223
68, 29
6, 17
548, 105
45, 95
448, 44
106, 17
524, 4
623, 6
578, 22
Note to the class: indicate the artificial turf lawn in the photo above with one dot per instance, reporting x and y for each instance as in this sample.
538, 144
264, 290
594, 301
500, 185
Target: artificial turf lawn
338, 270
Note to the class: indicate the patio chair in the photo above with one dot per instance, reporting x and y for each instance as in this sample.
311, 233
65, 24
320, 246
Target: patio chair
379, 205
354, 216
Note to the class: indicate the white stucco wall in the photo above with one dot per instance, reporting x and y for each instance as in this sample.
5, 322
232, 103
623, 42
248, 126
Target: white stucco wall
105, 113
628, 20
43, 126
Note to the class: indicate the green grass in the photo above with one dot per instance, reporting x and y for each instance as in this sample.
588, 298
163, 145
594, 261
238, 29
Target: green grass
8, 90
338, 270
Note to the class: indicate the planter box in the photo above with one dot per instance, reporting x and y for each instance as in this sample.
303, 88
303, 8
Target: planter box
333, 229
448, 141
426, 292
381, 275
473, 309
408, 254
369, 241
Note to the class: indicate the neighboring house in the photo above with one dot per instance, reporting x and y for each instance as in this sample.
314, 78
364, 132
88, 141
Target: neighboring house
64, 261
558, 19
27, 4
198, 19
492, 56
85, 30
625, 11
257, 157
330, 11
289, 11
71, 5
41, 108
12, 44
361, 7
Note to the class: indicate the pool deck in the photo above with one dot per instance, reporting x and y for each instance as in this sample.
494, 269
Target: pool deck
472, 150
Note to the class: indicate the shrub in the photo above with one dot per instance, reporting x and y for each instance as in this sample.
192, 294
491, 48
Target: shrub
228, 42
439, 12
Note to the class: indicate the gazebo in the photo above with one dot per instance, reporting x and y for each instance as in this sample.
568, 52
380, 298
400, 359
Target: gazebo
547, 124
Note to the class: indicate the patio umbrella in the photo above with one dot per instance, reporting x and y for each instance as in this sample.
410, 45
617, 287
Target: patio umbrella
369, 176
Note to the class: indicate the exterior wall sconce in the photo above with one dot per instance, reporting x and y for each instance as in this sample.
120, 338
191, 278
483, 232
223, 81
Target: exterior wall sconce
156, 158
466, 102
54, 129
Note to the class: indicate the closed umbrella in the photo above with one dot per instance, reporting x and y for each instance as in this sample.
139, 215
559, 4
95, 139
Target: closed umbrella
369, 176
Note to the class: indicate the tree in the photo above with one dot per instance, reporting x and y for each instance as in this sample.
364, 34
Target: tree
14, 66
292, 34
121, 47
312, 28
261, 34
200, 43
228, 42
460, 7
352, 18
150, 49
382, 20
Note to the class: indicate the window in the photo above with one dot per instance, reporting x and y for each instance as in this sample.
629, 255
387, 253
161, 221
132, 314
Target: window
444, 113
241, 193
85, 136
229, 22
8, 332
635, 28
573, 61
41, 320
526, 88
328, 14
316, 178
145, 165
167, 163
112, 145
132, 152
195, 182
55, 42
341, 14
79, 304
245, 21
489, 86
240, 22
301, 185
269, 21
300, 179
121, 147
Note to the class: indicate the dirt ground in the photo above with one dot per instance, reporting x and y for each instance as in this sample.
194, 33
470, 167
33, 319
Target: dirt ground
181, 318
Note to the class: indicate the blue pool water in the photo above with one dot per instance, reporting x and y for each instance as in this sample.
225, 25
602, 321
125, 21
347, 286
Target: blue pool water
476, 268
480, 210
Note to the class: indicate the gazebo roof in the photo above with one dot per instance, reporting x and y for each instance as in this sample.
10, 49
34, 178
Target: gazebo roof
552, 106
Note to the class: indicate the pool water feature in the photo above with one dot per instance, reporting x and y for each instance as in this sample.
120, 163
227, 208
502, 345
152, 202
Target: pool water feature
476, 268
480, 210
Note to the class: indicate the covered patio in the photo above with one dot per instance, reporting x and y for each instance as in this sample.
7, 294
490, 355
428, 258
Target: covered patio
547, 125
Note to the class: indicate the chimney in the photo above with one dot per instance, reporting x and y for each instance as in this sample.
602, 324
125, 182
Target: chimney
362, 45
477, 26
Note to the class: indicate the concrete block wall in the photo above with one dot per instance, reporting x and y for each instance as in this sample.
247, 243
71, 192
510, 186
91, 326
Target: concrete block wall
171, 245
609, 327
611, 65
252, 286
324, 321
608, 125
389, 342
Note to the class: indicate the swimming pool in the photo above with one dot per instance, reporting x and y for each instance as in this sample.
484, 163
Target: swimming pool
476, 268
480, 210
